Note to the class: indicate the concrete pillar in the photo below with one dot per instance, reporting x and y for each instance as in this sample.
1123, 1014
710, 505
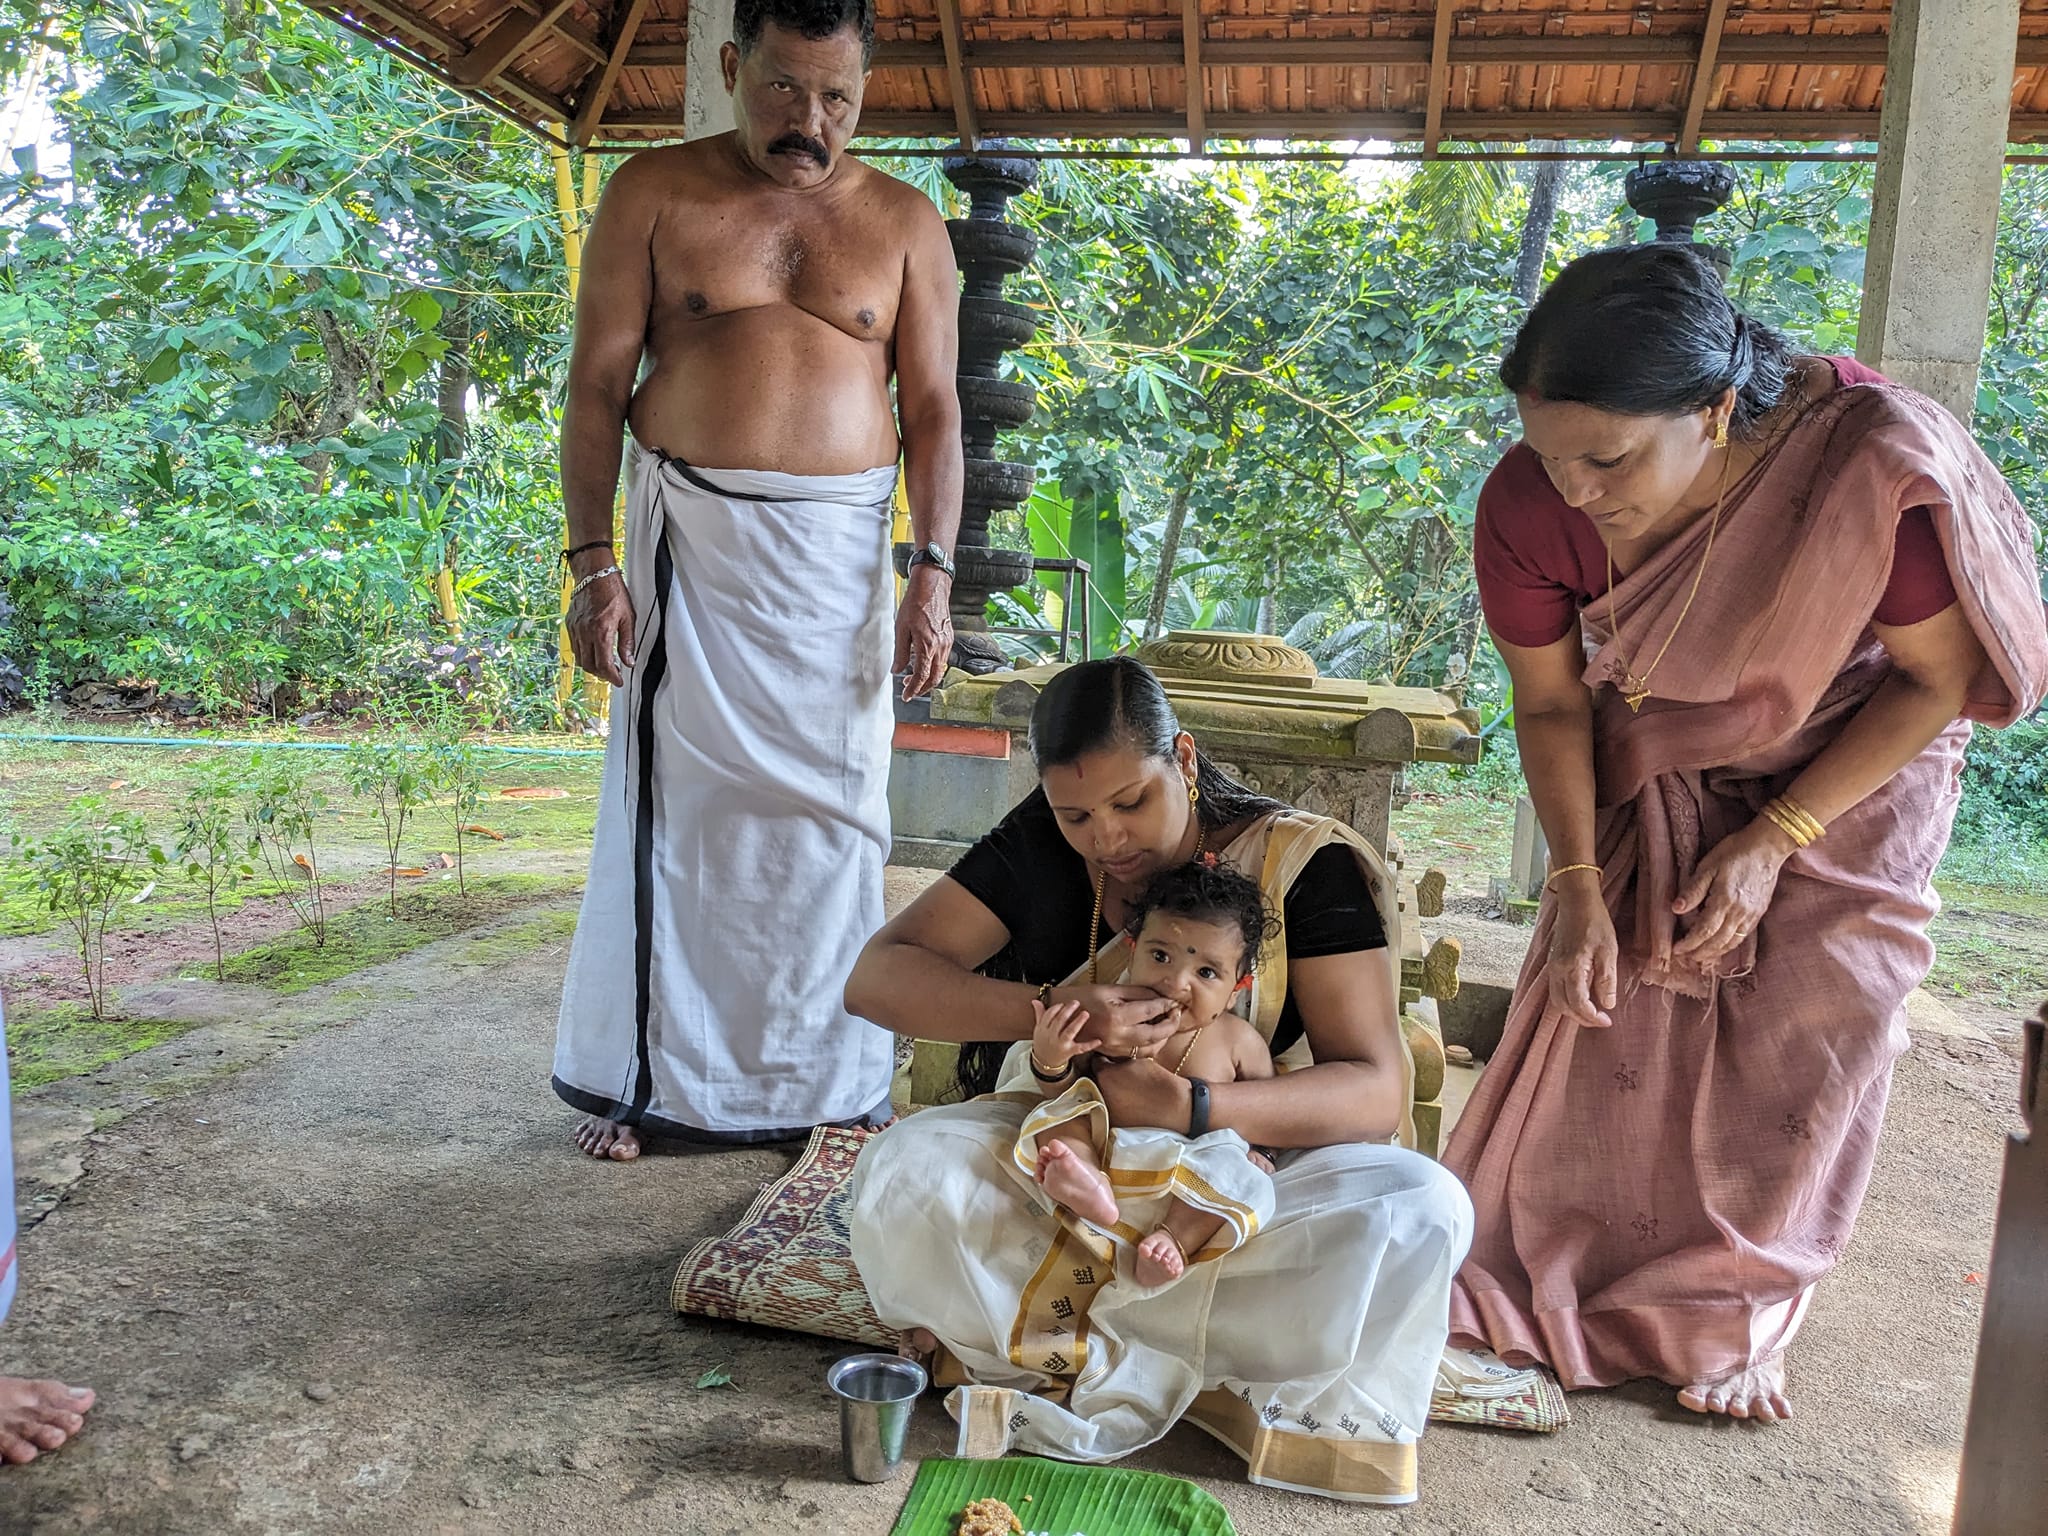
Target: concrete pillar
707, 108
1934, 224
1531, 865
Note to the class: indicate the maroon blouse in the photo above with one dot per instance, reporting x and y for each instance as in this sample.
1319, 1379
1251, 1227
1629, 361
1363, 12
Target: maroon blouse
1540, 560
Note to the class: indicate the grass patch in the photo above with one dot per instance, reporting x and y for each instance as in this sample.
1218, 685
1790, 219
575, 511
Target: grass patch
46, 1045
510, 943
2015, 863
369, 935
1991, 944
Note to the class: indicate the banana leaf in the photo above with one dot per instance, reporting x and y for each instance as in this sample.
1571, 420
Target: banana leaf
1053, 1498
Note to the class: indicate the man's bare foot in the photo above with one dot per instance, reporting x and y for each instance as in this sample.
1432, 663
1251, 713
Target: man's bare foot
1081, 1189
608, 1138
1756, 1392
38, 1416
1159, 1259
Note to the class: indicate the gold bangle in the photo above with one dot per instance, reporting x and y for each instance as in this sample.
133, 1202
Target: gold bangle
1044, 1076
1567, 869
1794, 823
1783, 823
1782, 820
1045, 993
1808, 822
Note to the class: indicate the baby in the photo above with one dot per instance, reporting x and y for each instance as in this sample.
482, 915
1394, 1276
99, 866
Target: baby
1196, 931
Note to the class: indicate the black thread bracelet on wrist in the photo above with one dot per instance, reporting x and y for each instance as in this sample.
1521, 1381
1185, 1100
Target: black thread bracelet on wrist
1056, 1077
584, 549
1198, 1109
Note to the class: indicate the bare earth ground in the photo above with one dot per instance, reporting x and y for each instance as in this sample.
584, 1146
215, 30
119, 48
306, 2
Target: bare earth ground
332, 1266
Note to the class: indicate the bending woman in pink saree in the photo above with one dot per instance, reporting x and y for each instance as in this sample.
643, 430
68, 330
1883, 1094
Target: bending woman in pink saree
1750, 602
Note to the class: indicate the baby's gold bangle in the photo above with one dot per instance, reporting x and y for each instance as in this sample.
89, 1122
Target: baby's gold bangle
1044, 1076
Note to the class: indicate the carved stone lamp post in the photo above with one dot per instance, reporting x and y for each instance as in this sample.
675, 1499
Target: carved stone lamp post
1677, 194
988, 250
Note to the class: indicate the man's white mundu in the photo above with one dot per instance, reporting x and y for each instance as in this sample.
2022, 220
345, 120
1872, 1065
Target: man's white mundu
744, 823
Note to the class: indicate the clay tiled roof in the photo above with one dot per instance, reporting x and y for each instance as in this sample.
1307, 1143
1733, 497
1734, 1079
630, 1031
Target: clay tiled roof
1654, 72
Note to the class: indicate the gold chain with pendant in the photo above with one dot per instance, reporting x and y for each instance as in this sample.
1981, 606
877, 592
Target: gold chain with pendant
1635, 690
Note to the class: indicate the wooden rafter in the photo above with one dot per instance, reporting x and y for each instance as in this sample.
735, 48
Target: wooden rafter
504, 43
590, 110
1439, 77
532, 97
584, 42
1703, 74
1191, 68
956, 74
1401, 127
416, 36
1760, 49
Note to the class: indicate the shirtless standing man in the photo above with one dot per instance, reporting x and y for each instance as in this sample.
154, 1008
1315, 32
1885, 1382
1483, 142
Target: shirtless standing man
772, 287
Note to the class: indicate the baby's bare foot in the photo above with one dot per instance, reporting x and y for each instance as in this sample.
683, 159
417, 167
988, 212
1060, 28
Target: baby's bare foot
1159, 1259
1063, 1174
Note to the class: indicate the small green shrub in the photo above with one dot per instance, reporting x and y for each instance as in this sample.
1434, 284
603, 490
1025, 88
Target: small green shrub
394, 776
83, 870
457, 772
281, 815
213, 858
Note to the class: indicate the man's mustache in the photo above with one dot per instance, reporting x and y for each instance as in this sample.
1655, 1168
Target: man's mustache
798, 144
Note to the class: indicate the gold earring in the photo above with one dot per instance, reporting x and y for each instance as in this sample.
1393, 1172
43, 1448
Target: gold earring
1194, 794
1721, 433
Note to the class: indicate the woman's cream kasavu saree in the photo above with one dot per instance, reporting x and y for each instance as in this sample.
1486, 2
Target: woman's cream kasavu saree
1306, 1336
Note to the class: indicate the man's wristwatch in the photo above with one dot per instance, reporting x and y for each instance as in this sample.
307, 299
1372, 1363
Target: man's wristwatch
931, 554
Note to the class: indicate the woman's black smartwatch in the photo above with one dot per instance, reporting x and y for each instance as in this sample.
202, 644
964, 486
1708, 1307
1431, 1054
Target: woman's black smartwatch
1198, 1108
931, 554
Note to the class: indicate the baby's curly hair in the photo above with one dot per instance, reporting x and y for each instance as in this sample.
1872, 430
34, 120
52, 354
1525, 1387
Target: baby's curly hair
1209, 892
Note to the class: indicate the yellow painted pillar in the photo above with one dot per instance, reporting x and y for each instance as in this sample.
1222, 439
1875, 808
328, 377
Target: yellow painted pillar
899, 529
570, 214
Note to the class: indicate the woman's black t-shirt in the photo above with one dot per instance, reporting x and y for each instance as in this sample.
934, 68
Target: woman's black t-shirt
1030, 877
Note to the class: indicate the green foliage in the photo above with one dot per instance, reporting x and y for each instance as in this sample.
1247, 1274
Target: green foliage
1088, 527
396, 777
214, 859
2001, 835
281, 815
236, 350
83, 870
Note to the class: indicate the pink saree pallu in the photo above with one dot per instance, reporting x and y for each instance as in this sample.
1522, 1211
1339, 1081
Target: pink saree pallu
1658, 1199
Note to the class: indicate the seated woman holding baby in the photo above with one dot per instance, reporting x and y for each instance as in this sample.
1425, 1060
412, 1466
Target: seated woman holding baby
1297, 1314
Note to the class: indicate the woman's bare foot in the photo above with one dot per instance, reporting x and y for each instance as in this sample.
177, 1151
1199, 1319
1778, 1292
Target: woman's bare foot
1159, 1259
1073, 1183
1756, 1392
38, 1416
608, 1138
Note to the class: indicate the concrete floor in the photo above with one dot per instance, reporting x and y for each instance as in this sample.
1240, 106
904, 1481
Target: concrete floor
338, 1270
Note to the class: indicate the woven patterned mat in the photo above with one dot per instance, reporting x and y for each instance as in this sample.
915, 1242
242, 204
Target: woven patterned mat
789, 1264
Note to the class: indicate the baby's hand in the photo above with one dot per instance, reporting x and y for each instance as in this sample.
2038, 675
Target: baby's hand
1053, 1036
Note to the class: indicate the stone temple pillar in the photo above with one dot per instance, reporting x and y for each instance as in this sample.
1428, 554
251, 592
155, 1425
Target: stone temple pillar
1934, 225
